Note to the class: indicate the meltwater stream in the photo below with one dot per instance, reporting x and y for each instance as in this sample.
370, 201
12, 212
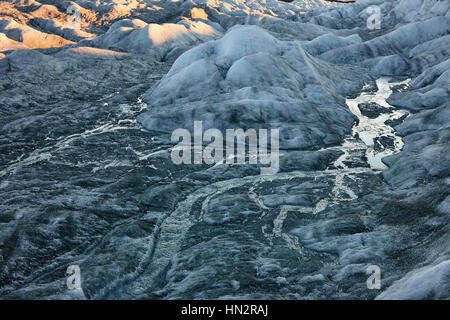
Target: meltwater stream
373, 128
372, 137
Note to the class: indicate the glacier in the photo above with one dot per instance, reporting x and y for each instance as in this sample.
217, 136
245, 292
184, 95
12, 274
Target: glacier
86, 176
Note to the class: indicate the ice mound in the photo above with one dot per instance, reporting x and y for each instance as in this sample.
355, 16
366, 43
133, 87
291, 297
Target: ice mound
328, 41
136, 36
7, 44
428, 90
413, 10
249, 79
385, 55
426, 283
435, 119
427, 148
25, 36
245, 41
61, 29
